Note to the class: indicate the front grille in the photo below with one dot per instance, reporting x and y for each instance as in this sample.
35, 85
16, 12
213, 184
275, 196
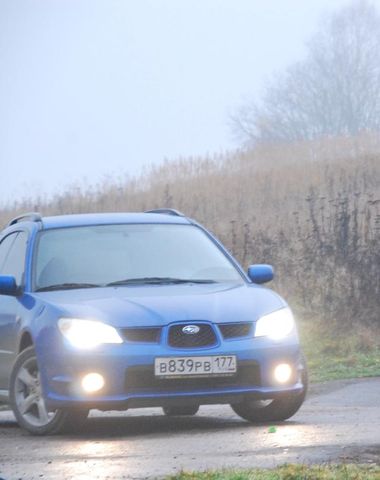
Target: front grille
144, 334
142, 378
234, 330
204, 338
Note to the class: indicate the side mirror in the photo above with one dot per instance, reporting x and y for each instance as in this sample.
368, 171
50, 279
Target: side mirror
8, 286
260, 273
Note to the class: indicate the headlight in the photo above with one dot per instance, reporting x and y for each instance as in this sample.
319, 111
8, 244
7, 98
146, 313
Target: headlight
276, 325
87, 333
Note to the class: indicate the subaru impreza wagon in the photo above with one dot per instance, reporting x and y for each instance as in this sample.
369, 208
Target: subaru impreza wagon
118, 311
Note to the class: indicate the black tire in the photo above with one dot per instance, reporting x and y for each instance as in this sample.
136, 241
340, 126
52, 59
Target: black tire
28, 404
185, 410
275, 410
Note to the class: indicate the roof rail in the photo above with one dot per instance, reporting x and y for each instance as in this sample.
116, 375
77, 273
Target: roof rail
26, 217
166, 211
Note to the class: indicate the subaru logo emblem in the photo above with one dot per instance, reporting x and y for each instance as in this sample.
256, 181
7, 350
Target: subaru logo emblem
191, 329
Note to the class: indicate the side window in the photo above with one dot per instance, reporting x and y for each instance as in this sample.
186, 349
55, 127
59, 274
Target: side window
5, 246
15, 261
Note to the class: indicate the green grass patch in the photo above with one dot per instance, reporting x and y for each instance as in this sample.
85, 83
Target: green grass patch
334, 367
333, 354
289, 472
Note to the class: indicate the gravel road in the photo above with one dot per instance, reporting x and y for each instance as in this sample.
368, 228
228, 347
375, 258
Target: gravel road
339, 422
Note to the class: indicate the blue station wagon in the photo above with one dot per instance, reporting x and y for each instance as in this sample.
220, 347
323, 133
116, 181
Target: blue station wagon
129, 310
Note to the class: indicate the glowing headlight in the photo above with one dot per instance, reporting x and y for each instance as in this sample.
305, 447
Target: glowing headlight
87, 333
276, 325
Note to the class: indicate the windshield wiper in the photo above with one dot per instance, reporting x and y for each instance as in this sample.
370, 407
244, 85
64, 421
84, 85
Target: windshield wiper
157, 281
66, 286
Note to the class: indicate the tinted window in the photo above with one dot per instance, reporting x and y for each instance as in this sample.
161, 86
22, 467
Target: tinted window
15, 261
5, 246
109, 253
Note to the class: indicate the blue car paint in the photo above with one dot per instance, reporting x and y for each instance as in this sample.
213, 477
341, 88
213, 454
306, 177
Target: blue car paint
8, 284
126, 306
260, 273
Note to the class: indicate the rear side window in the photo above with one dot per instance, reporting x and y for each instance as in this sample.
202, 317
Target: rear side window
5, 246
14, 262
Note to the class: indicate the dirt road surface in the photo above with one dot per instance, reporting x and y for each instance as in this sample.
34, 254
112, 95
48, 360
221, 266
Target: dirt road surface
339, 422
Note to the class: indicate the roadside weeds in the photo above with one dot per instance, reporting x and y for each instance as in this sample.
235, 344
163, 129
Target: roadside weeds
289, 472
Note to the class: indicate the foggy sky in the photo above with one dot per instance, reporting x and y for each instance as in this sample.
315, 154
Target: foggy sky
102, 87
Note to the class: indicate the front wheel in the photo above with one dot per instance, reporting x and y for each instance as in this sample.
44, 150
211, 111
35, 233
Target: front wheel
28, 403
274, 410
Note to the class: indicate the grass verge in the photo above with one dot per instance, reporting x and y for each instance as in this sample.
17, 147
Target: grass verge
337, 366
334, 355
289, 472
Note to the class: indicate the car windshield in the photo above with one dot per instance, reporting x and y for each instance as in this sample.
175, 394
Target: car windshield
80, 257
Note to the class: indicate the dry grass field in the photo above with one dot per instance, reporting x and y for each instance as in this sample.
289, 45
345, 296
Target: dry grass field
311, 209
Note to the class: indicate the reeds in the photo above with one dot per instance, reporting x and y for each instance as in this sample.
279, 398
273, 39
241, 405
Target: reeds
311, 209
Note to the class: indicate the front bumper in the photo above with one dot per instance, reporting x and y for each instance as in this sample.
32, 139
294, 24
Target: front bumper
130, 382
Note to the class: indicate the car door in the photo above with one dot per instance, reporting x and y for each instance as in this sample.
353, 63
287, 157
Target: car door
12, 262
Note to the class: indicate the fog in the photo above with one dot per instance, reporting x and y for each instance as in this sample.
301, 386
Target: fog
95, 88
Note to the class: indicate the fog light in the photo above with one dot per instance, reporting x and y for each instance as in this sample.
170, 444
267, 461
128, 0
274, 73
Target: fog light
282, 373
92, 382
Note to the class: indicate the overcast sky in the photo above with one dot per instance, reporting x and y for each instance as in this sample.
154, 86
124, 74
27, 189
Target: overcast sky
96, 87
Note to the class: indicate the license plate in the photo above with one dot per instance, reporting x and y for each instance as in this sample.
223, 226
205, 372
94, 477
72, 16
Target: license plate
186, 366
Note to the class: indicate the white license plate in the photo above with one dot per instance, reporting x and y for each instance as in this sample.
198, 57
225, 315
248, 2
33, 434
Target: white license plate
185, 366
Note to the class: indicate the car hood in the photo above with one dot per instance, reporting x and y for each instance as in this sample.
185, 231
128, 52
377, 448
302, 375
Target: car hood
163, 304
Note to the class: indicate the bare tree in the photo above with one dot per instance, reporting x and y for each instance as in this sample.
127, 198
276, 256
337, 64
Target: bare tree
334, 91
